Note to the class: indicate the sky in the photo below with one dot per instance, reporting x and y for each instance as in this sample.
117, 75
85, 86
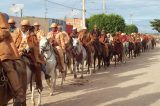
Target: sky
138, 12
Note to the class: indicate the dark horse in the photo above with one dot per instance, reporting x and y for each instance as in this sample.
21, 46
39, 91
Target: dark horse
137, 49
99, 53
153, 41
6, 91
131, 49
144, 45
117, 51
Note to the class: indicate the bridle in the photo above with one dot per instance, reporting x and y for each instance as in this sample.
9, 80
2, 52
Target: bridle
43, 48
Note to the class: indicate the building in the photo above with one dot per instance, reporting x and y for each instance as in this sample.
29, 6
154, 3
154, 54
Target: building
44, 22
76, 22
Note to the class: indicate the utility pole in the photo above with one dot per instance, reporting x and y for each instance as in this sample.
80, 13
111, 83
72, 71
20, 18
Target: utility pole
45, 17
131, 16
104, 6
83, 14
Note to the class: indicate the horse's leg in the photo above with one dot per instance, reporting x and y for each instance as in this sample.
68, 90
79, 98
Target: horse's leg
94, 63
63, 79
53, 81
99, 62
23, 104
39, 99
115, 60
82, 70
32, 96
74, 69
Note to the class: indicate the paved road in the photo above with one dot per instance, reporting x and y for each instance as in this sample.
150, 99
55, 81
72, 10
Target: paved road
136, 83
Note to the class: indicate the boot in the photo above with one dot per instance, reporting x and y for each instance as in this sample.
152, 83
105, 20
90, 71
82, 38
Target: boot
17, 104
47, 76
38, 77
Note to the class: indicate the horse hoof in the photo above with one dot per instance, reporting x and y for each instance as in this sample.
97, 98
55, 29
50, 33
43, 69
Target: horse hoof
39, 105
51, 94
75, 76
81, 77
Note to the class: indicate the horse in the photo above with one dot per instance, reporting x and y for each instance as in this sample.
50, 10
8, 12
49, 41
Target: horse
137, 49
79, 56
131, 48
144, 45
125, 51
31, 78
6, 91
149, 44
153, 43
117, 51
46, 49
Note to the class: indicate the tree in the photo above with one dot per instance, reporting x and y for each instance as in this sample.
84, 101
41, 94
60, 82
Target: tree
131, 29
156, 24
109, 23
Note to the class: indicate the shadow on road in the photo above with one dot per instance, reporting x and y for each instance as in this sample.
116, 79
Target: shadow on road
107, 80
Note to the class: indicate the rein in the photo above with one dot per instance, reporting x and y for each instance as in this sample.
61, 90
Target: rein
50, 49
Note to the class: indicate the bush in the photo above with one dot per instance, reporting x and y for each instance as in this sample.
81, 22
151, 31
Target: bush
131, 29
110, 23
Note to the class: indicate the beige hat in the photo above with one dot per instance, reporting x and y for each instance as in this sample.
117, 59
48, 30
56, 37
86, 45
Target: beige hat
95, 26
123, 34
74, 28
84, 27
11, 21
53, 25
3, 21
36, 24
25, 22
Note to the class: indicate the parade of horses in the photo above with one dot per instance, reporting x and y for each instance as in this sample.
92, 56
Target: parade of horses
29, 55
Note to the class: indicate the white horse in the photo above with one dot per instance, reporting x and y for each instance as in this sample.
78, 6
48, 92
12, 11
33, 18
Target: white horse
149, 44
79, 57
51, 63
31, 79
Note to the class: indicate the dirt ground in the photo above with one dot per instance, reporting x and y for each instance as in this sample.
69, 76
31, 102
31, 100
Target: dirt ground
136, 83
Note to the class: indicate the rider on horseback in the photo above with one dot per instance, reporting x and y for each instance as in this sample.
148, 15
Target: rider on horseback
27, 44
39, 34
11, 63
56, 38
96, 33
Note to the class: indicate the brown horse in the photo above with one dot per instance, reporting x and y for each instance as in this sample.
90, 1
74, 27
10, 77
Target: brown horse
117, 51
86, 40
6, 91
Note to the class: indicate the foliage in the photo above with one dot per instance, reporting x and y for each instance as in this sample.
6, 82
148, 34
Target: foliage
156, 24
109, 23
131, 29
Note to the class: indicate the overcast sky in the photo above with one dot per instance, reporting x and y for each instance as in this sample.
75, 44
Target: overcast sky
142, 11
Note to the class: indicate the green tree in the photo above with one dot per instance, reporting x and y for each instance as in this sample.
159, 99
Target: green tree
110, 23
131, 29
156, 24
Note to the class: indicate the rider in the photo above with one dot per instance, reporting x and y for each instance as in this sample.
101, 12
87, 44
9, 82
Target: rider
40, 33
9, 58
25, 39
56, 39
96, 33
12, 27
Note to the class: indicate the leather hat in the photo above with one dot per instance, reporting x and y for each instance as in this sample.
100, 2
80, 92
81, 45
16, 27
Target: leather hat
3, 21
25, 22
11, 21
53, 25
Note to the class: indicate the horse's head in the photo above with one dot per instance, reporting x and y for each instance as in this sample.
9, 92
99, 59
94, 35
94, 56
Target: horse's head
75, 42
76, 46
44, 44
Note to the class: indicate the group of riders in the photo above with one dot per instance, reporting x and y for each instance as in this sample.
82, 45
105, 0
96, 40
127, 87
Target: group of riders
15, 43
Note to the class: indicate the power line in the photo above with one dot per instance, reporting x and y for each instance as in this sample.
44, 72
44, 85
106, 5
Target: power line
63, 5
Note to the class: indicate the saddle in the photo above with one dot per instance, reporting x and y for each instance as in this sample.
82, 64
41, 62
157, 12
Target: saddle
3, 77
6, 91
